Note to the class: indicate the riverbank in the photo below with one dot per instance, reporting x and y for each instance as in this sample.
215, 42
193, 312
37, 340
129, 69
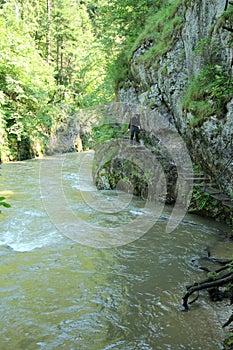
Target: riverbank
213, 206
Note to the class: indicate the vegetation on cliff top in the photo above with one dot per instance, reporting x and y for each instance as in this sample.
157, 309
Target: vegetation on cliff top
208, 94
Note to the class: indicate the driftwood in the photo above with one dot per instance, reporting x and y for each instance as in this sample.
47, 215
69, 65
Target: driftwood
218, 278
210, 283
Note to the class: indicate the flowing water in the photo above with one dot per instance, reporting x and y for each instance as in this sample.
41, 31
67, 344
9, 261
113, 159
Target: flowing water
61, 293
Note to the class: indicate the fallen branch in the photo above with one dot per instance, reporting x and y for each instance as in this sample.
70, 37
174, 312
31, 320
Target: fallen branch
229, 29
227, 278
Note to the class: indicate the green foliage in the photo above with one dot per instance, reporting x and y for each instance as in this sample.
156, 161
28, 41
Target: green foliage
228, 14
121, 20
3, 203
213, 275
209, 91
228, 342
202, 200
206, 50
203, 203
227, 18
80, 60
230, 268
158, 24
49, 56
26, 84
208, 94
129, 19
161, 29
63, 52
106, 132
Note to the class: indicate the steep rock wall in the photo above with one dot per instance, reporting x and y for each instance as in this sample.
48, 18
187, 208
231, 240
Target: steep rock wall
164, 86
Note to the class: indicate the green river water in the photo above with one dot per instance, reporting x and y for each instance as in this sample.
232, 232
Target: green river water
62, 293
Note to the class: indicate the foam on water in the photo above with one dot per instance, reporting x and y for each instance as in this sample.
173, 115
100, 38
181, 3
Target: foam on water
21, 245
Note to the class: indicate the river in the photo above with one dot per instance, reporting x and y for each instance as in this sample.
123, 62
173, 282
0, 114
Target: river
63, 293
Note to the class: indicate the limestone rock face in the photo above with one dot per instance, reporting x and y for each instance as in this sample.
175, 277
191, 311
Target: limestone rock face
70, 134
163, 87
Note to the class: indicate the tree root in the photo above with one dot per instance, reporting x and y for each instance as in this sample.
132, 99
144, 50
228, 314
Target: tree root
207, 284
223, 276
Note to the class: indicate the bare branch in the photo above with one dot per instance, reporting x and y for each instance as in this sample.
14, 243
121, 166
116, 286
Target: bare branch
197, 287
229, 29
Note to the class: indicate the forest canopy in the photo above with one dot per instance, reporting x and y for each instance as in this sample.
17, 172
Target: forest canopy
56, 56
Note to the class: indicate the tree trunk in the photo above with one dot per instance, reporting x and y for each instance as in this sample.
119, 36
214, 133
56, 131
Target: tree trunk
48, 38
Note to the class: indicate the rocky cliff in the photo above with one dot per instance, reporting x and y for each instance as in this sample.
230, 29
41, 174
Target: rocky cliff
179, 78
199, 52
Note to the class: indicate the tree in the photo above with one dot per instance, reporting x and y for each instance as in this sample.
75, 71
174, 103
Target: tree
121, 20
26, 84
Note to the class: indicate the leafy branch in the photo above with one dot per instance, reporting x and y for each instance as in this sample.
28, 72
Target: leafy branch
3, 203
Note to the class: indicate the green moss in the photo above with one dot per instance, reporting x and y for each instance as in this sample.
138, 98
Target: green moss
226, 20
208, 94
204, 204
228, 343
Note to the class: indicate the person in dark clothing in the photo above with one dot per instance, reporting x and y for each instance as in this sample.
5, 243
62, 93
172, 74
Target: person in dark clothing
134, 127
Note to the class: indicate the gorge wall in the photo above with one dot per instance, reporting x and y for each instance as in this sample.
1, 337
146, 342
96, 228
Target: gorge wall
163, 88
189, 83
